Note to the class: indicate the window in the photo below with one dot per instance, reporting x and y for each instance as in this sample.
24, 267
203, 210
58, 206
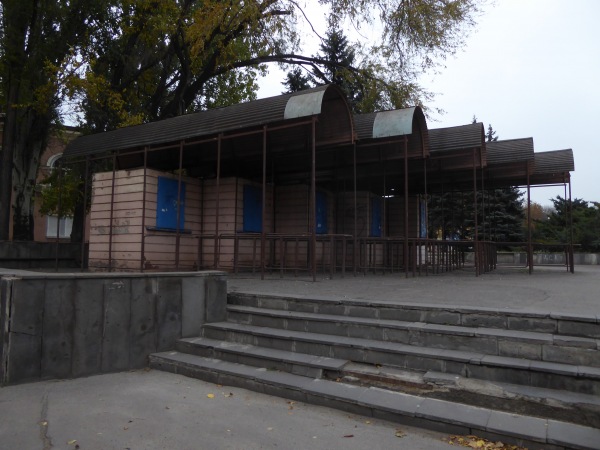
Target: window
65, 226
375, 217
252, 209
167, 204
321, 216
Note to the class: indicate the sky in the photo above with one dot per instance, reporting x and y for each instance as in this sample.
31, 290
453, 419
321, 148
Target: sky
530, 68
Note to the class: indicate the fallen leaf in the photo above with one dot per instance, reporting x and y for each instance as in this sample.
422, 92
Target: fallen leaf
367, 421
219, 385
44, 423
72, 441
270, 429
210, 395
400, 433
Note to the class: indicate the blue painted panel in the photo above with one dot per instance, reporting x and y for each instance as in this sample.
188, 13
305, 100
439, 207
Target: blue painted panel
321, 216
376, 217
252, 209
423, 218
166, 204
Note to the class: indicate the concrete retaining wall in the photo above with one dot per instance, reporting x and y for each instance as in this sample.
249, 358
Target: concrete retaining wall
72, 325
548, 258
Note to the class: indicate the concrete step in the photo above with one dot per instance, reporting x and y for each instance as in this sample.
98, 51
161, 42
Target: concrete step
545, 322
582, 409
440, 415
272, 359
471, 364
491, 341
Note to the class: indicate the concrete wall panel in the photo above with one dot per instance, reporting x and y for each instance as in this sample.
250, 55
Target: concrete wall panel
70, 325
168, 312
58, 323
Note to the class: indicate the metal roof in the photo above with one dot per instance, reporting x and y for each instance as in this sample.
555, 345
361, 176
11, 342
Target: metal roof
205, 123
398, 122
462, 137
557, 161
510, 151
374, 128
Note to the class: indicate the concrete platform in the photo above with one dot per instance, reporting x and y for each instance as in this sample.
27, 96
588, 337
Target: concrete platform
547, 290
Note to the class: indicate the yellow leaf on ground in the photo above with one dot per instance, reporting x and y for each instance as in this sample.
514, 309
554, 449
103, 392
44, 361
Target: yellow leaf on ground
210, 395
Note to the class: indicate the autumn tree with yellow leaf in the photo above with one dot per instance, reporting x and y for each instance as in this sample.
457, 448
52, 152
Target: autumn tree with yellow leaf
123, 62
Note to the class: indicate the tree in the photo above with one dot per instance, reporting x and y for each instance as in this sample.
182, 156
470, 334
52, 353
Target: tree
499, 214
35, 38
295, 81
556, 228
122, 62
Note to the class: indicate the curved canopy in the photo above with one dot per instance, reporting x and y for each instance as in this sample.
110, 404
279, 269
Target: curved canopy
335, 123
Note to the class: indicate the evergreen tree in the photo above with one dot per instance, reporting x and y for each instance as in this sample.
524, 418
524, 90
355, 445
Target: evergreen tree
500, 213
296, 81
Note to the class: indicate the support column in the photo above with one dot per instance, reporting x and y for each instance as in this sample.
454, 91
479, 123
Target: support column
112, 207
263, 235
85, 198
313, 202
476, 236
218, 188
355, 246
571, 255
529, 245
178, 211
405, 246
143, 243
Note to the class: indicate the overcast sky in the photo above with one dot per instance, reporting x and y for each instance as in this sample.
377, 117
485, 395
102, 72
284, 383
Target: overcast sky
530, 68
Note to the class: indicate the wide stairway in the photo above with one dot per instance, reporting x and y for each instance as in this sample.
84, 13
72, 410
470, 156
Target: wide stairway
527, 379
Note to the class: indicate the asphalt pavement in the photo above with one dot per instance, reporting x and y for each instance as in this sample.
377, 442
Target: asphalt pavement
149, 409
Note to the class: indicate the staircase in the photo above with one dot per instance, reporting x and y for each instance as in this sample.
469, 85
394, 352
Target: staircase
529, 379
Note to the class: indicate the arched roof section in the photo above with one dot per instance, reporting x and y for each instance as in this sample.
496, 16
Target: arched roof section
327, 102
510, 151
552, 167
510, 162
457, 141
388, 127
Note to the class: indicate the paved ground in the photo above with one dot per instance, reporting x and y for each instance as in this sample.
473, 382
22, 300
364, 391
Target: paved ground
155, 410
158, 410
548, 289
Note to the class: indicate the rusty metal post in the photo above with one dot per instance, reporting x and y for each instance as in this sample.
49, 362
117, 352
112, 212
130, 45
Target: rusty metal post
529, 246
85, 197
263, 235
405, 249
313, 201
112, 207
571, 255
355, 245
178, 209
58, 213
218, 188
143, 243
476, 243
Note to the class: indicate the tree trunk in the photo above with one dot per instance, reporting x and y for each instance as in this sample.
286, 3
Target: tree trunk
29, 141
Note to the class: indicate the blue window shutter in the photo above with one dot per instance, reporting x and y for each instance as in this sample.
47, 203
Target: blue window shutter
321, 216
252, 209
376, 217
166, 204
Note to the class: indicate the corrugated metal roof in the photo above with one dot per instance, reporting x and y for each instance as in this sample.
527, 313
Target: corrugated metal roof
462, 137
557, 161
398, 122
509, 151
374, 128
204, 123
